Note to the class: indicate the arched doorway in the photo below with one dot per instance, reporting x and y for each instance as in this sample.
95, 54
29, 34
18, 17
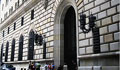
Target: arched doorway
31, 45
70, 54
65, 30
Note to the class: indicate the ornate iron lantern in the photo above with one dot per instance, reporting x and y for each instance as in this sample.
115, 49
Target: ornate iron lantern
38, 39
83, 22
91, 26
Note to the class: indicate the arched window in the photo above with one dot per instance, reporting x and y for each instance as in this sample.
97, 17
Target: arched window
20, 52
13, 50
6, 51
1, 53
31, 45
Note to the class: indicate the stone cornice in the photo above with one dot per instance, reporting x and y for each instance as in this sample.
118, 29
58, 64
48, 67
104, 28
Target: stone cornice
17, 13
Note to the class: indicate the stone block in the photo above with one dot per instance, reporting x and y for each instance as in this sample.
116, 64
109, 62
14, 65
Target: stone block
51, 43
50, 49
41, 55
81, 50
104, 48
103, 30
91, 41
119, 26
85, 1
51, 54
83, 43
50, 38
108, 37
88, 6
110, 68
81, 36
89, 49
105, 6
101, 39
111, 11
118, 8
52, 32
114, 46
97, 68
80, 30
117, 36
114, 2
47, 55
98, 23
79, 2
80, 5
91, 0
115, 18
95, 10
101, 14
97, 2
85, 68
89, 34
113, 27
87, 13
106, 21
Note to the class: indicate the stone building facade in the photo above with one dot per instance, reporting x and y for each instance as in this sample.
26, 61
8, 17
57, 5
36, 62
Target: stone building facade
59, 21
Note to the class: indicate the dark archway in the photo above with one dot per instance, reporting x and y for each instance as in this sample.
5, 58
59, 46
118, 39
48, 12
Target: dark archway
20, 52
13, 50
31, 45
70, 53
6, 51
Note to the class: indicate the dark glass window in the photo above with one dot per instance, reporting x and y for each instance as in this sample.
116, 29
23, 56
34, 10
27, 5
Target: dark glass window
16, 5
2, 6
20, 52
1, 53
6, 53
7, 2
8, 29
44, 50
10, 10
32, 14
18, 2
23, 1
14, 26
3, 33
22, 21
13, 50
31, 45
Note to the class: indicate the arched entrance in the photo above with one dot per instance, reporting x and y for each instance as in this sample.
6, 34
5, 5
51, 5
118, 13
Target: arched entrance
65, 30
70, 54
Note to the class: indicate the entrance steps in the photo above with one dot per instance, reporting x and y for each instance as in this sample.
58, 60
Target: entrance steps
98, 68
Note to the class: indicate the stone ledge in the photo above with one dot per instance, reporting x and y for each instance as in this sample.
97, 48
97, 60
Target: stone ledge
98, 55
27, 61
